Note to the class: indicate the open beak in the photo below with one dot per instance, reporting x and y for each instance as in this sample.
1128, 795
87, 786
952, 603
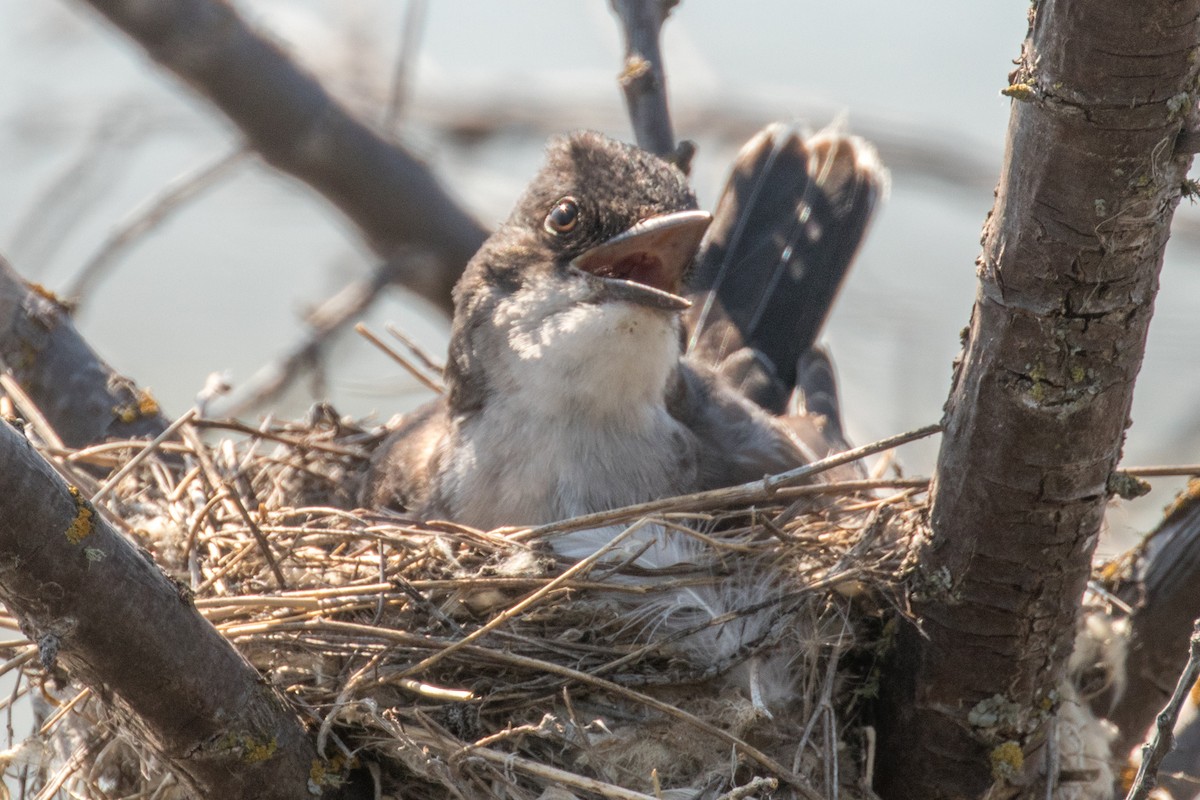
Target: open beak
645, 264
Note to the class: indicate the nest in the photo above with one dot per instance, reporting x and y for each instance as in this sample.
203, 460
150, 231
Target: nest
458, 663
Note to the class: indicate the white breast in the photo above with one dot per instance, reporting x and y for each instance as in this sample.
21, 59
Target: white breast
575, 420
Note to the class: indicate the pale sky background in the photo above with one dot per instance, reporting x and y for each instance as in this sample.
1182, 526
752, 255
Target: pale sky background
90, 130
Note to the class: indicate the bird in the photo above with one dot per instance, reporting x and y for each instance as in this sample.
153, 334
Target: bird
613, 344
579, 377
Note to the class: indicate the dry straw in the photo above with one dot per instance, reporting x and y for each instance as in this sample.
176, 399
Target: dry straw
456, 663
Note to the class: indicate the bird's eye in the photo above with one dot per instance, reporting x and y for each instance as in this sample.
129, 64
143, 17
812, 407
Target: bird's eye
563, 217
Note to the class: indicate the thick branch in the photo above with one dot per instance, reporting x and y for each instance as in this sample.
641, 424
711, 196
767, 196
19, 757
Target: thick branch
299, 129
1039, 405
122, 628
80, 395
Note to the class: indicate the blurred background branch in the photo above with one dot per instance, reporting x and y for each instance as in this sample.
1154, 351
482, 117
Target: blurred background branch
297, 127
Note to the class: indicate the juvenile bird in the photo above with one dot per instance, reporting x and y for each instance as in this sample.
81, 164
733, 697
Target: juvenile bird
571, 388
568, 388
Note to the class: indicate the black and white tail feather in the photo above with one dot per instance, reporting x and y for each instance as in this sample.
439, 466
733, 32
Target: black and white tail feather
784, 233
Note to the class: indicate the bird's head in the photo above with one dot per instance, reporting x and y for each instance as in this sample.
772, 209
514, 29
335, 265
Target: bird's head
592, 257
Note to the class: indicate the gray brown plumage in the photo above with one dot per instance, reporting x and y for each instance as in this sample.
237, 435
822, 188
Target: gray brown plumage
568, 391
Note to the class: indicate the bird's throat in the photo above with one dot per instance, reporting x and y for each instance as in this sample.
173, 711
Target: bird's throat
589, 359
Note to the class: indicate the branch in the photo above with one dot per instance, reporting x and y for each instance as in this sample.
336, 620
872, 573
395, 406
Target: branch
83, 399
156, 211
122, 628
299, 129
1040, 401
642, 77
1157, 748
324, 322
406, 56
1165, 602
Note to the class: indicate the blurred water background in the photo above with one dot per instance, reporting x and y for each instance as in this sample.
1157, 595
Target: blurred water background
91, 130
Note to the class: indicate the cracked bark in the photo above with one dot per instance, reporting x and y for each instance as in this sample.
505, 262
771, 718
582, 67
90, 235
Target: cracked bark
1042, 391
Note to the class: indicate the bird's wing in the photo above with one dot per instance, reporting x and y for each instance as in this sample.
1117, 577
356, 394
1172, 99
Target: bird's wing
402, 467
784, 233
737, 440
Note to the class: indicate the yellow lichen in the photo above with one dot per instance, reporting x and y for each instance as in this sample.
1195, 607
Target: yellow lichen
144, 405
250, 750
1189, 495
254, 751
323, 774
635, 67
85, 517
1008, 761
1024, 92
1038, 376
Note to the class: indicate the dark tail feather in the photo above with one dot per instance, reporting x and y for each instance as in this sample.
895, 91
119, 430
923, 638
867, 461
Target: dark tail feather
816, 390
783, 236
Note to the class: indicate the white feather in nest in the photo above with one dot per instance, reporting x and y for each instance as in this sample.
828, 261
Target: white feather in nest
715, 625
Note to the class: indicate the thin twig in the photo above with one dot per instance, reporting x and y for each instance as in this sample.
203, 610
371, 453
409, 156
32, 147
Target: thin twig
155, 212
142, 455
408, 366
402, 75
415, 349
1164, 471
515, 659
29, 410
218, 483
754, 491
529, 601
322, 324
1154, 751
558, 776
642, 78
298, 441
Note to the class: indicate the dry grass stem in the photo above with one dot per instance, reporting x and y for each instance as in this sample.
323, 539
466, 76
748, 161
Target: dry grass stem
408, 366
470, 664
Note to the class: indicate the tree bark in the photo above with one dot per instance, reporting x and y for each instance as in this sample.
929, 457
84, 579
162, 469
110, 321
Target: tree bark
98, 607
1038, 407
82, 398
299, 129
643, 78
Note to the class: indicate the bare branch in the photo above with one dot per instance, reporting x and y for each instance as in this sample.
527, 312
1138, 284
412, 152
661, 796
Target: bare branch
642, 77
402, 76
124, 630
299, 129
155, 212
1158, 747
323, 323
83, 399
1165, 602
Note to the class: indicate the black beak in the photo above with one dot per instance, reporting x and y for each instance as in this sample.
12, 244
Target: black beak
646, 263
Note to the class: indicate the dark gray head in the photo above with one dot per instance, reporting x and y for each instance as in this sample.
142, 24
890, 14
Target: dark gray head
602, 222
